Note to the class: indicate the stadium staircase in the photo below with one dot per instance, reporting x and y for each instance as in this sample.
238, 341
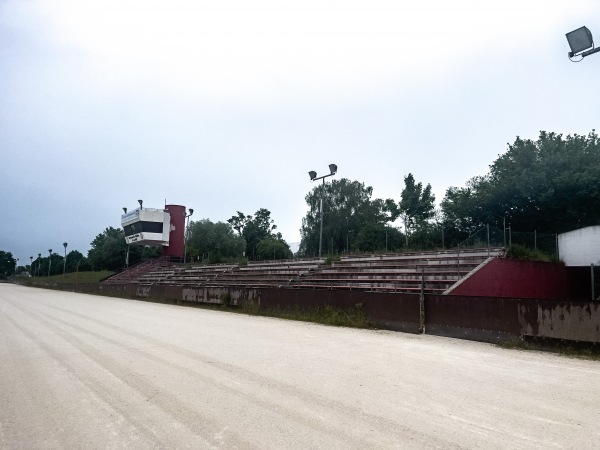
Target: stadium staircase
432, 272
134, 272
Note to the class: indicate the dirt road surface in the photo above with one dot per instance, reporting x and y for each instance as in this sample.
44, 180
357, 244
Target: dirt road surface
82, 371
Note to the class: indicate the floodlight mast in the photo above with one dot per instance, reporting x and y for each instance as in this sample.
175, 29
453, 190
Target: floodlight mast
580, 40
313, 177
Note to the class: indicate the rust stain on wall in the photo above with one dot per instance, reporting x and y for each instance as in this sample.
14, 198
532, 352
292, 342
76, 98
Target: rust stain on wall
573, 322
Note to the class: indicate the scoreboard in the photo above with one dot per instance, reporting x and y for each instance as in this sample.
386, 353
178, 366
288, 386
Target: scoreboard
147, 226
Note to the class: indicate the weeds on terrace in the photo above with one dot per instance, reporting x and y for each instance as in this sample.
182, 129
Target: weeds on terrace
331, 259
518, 251
326, 315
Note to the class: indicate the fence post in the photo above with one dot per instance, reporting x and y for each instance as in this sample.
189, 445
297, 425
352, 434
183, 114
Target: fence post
488, 238
593, 284
422, 303
458, 262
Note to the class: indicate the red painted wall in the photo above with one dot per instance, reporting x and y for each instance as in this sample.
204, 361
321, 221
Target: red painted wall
520, 279
176, 236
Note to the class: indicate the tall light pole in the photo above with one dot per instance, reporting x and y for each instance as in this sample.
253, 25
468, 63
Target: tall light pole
49, 262
313, 177
126, 256
187, 218
39, 263
31, 265
65, 261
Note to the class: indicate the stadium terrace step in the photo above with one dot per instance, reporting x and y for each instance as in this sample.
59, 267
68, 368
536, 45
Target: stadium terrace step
433, 272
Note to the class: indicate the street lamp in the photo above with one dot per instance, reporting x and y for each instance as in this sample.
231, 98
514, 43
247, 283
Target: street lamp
49, 262
187, 218
31, 265
65, 262
16, 266
141, 202
580, 40
313, 177
39, 263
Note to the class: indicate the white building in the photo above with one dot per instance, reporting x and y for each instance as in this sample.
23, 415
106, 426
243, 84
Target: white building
580, 247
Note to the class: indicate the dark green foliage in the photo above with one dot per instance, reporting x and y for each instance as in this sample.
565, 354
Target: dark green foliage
378, 237
417, 205
271, 248
256, 229
50, 265
213, 241
109, 251
549, 185
7, 264
347, 209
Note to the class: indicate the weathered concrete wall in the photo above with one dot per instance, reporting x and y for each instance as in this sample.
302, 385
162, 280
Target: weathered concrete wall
399, 312
489, 319
477, 318
523, 279
575, 321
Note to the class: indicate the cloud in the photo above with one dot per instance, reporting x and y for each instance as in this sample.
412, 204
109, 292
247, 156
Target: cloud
235, 49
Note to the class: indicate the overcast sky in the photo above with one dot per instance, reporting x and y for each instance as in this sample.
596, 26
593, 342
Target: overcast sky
224, 106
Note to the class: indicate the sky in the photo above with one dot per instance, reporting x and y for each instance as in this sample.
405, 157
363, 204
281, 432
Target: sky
224, 106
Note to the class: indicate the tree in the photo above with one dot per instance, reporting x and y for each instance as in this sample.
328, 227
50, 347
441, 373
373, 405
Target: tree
7, 264
76, 262
378, 237
347, 208
109, 250
548, 185
272, 248
416, 206
255, 228
217, 240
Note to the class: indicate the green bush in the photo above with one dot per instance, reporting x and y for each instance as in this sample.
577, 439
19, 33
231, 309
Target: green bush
522, 252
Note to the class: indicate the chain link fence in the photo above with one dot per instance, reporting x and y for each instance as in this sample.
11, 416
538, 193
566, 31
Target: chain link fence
496, 237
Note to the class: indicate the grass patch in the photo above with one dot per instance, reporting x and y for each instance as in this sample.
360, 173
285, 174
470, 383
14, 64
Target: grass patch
570, 349
331, 259
325, 315
81, 277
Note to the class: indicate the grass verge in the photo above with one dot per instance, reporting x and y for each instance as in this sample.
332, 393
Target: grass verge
325, 315
571, 349
81, 277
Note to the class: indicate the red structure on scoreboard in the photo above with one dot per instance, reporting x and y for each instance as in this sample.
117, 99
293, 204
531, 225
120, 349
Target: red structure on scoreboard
157, 227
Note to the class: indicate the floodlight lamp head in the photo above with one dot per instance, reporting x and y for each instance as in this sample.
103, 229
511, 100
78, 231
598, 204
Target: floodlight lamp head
191, 211
50, 251
64, 244
332, 168
39, 255
125, 210
312, 175
141, 202
579, 40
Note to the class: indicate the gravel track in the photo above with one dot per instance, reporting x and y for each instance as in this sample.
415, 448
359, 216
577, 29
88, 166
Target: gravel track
96, 372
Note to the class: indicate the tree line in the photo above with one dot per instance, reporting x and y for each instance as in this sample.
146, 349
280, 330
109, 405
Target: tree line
548, 185
551, 185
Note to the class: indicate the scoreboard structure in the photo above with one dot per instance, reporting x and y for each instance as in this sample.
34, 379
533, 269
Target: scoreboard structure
157, 227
